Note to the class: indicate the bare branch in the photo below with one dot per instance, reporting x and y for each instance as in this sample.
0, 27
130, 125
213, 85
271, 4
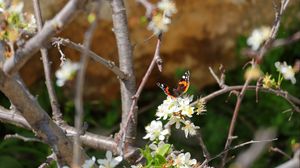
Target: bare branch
23, 138
239, 146
80, 87
134, 107
32, 46
38, 119
56, 113
88, 139
233, 120
128, 87
247, 158
107, 63
274, 30
274, 149
202, 144
294, 101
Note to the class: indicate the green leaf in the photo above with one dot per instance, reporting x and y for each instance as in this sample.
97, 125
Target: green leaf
163, 150
147, 154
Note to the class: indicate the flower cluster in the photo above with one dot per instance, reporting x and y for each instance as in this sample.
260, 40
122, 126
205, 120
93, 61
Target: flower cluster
258, 36
14, 21
161, 20
178, 112
286, 72
66, 72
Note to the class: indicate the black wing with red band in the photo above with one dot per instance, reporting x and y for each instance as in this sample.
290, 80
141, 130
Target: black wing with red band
182, 86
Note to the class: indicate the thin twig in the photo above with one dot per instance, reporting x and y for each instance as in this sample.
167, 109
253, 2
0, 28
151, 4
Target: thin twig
80, 87
233, 120
202, 144
275, 149
107, 63
240, 145
221, 80
276, 92
247, 157
262, 52
274, 30
56, 113
136, 96
23, 138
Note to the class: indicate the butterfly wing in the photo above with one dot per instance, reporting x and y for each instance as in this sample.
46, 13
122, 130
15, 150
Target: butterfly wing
183, 84
166, 89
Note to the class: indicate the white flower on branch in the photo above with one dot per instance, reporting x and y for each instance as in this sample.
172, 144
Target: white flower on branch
166, 109
159, 24
66, 72
183, 160
286, 70
89, 163
175, 120
167, 6
189, 128
185, 107
258, 36
109, 162
155, 131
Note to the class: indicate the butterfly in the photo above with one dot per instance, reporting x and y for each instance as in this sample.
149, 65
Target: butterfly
182, 86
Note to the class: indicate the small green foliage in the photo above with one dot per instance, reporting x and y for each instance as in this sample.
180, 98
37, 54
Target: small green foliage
157, 159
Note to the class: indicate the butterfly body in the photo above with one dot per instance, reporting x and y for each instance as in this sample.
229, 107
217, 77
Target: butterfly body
182, 86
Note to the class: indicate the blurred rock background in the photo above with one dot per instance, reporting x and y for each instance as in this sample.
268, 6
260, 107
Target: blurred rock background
202, 34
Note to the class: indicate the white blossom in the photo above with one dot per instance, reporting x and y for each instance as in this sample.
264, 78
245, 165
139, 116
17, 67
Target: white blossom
137, 166
155, 131
258, 36
286, 70
177, 120
66, 72
166, 109
168, 6
183, 160
109, 162
185, 107
89, 163
159, 24
189, 128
